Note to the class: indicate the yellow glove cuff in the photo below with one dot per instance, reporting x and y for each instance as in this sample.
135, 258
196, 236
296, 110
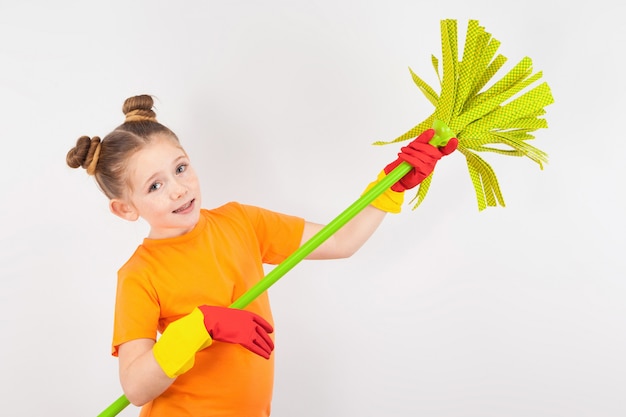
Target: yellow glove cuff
176, 349
389, 201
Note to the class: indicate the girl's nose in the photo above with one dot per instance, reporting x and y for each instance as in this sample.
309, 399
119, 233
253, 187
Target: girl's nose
179, 191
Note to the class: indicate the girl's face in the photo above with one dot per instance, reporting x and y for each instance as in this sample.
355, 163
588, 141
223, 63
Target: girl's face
164, 189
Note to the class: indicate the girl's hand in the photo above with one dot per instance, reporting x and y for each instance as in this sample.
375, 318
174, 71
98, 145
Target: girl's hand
422, 156
231, 325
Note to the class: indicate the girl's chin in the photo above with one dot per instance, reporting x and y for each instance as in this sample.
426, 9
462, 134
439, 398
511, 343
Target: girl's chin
181, 227
190, 221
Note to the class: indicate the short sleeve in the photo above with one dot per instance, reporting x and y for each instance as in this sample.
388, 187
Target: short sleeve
136, 310
279, 235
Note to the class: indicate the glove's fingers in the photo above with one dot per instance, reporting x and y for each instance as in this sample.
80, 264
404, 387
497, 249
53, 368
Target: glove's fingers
263, 323
259, 342
420, 154
425, 148
450, 146
424, 137
254, 348
419, 143
263, 340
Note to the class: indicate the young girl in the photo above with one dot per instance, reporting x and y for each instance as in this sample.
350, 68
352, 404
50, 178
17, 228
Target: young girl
210, 360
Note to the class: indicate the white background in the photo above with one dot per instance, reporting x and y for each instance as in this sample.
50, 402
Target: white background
447, 312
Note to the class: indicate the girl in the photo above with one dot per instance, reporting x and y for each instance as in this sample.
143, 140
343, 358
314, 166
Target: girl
210, 360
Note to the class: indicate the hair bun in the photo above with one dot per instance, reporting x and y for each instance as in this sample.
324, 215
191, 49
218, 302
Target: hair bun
85, 154
139, 109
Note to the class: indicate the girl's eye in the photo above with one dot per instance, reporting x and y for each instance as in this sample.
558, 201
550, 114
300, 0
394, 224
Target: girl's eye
181, 168
154, 187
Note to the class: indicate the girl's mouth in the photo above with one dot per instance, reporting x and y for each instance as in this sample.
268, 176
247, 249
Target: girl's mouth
186, 208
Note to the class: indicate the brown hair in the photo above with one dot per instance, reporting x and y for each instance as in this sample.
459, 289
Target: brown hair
106, 159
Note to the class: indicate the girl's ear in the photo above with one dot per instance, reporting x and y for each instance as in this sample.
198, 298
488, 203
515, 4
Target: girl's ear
123, 209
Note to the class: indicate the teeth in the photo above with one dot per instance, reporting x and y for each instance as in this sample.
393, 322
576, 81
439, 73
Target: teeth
186, 206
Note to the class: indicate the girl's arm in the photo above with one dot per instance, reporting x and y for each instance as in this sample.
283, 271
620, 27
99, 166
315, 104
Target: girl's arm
147, 368
141, 376
423, 157
347, 240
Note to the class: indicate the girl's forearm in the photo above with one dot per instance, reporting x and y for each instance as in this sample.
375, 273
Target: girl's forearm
347, 240
141, 377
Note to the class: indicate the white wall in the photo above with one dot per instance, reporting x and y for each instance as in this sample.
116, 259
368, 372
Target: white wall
445, 312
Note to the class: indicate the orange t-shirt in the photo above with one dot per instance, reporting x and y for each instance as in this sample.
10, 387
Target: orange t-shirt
213, 264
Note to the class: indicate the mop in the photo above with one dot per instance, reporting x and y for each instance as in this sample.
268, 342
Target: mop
489, 120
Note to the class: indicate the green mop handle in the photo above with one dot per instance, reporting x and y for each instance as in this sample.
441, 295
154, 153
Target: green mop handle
115, 408
442, 135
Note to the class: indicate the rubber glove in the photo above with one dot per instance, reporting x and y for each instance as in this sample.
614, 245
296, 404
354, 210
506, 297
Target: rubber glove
176, 348
423, 157
239, 326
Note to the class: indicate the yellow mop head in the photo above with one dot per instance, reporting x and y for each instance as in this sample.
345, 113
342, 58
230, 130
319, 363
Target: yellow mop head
501, 115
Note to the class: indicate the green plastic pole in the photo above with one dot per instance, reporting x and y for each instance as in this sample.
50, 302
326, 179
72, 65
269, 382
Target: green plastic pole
321, 236
442, 135
116, 407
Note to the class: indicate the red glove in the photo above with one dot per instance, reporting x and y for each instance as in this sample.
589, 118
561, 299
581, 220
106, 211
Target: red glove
232, 325
422, 156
